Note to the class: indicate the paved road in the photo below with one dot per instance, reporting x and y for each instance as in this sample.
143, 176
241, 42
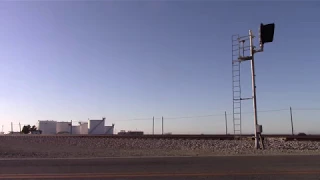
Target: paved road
189, 168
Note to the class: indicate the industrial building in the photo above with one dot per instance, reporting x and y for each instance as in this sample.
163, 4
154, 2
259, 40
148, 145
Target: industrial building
82, 128
98, 127
63, 127
90, 127
48, 126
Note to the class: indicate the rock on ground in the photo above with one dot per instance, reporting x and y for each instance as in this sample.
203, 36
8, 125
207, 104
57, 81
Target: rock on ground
64, 146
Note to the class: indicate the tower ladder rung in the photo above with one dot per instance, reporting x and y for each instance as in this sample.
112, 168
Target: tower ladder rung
237, 50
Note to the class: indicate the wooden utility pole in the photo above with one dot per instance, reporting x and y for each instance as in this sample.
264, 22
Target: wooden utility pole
153, 125
162, 125
71, 127
225, 117
291, 121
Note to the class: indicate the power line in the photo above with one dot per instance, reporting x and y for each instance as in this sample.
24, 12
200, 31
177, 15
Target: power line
202, 116
198, 116
211, 115
275, 110
186, 117
306, 109
137, 119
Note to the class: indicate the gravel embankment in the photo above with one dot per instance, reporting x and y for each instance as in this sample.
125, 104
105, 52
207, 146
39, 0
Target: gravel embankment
60, 147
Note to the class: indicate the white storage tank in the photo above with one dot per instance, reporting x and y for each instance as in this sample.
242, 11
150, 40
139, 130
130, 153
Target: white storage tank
47, 127
97, 126
109, 129
75, 129
63, 127
84, 128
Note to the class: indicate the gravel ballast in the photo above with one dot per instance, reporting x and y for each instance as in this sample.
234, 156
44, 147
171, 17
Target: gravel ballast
75, 147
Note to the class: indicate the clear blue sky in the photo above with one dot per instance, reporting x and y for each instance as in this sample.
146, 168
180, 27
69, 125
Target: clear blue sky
138, 59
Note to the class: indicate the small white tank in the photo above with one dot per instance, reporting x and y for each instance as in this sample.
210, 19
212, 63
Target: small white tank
109, 129
47, 127
63, 127
97, 126
84, 128
75, 129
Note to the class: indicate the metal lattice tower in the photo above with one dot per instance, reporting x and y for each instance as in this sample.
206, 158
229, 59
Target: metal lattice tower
240, 51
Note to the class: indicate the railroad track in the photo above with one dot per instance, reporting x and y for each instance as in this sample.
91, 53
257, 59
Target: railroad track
189, 136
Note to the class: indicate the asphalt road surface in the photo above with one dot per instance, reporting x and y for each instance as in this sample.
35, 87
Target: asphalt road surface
175, 168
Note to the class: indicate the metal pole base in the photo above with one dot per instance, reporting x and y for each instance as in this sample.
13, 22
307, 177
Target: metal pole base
262, 141
256, 143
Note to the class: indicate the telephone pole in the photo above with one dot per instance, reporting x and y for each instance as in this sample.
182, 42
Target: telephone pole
225, 117
162, 125
153, 125
291, 121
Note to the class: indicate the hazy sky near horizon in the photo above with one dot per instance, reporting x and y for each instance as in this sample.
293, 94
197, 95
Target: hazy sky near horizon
63, 60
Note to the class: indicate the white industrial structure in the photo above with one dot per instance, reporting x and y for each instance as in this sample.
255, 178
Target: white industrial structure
91, 127
48, 127
75, 130
63, 127
109, 129
98, 127
84, 128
